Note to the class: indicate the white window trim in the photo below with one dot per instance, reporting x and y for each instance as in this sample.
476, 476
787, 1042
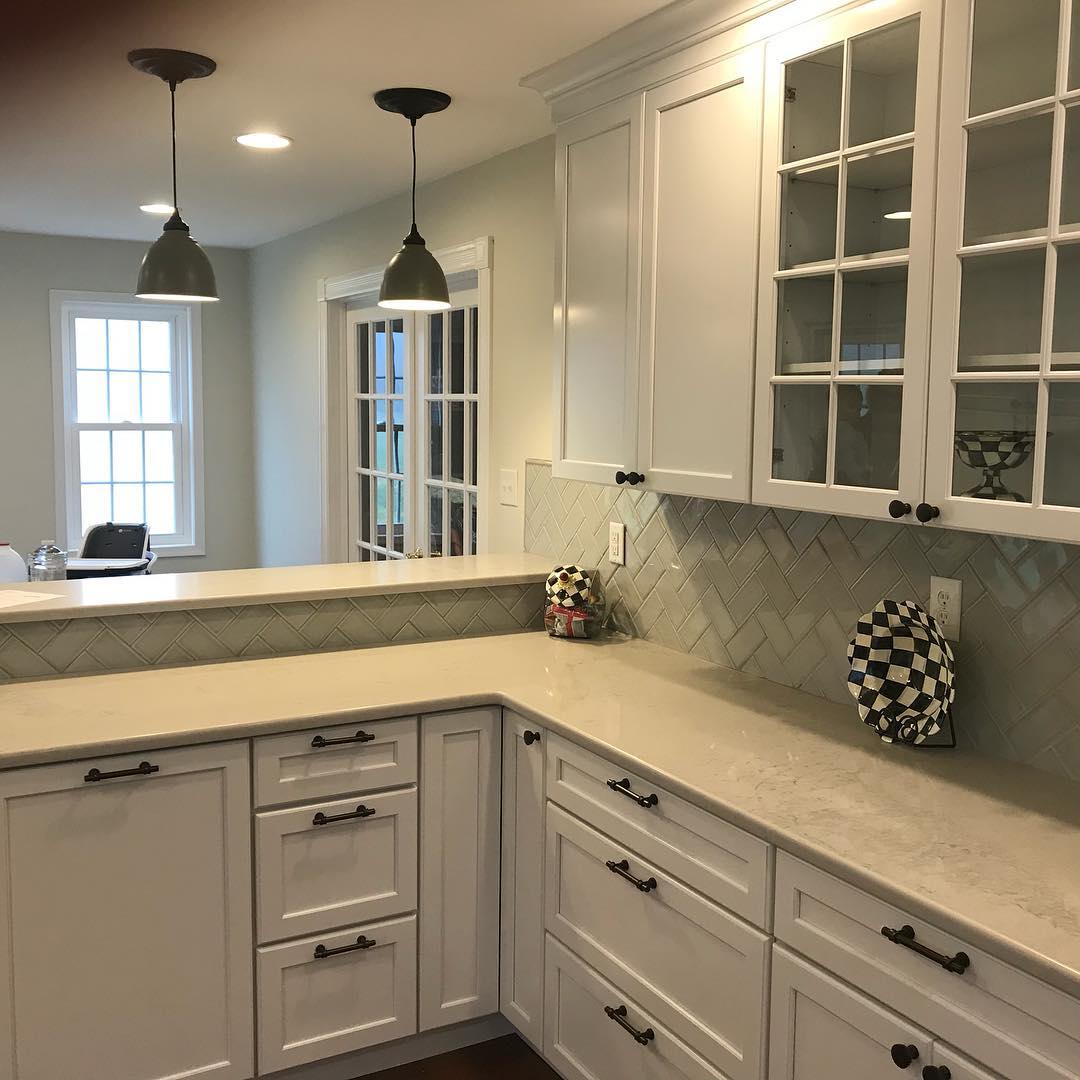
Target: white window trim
333, 296
187, 319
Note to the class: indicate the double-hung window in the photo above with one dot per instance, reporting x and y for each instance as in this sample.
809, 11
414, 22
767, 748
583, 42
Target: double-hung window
128, 436
416, 438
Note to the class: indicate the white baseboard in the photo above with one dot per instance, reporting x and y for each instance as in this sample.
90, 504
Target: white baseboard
401, 1052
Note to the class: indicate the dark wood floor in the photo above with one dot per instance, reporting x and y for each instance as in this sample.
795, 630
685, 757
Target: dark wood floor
507, 1058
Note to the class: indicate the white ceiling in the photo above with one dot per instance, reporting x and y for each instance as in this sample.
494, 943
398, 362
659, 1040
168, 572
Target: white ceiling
84, 137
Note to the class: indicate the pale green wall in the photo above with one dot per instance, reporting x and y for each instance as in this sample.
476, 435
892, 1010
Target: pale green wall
509, 197
31, 265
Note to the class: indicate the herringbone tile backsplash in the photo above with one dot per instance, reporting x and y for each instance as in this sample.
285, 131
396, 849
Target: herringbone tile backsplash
777, 593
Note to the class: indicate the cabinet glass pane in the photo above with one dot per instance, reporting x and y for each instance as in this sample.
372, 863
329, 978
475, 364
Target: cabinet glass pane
435, 522
813, 90
800, 432
1001, 300
435, 440
1061, 484
808, 216
457, 351
872, 321
1070, 179
1066, 342
1074, 48
1013, 53
457, 442
994, 436
878, 215
868, 435
456, 537
883, 69
1007, 190
435, 354
804, 326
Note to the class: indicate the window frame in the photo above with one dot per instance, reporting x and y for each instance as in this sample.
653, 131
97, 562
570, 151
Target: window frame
185, 319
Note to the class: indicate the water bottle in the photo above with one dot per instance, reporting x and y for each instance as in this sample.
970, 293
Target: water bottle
48, 563
12, 567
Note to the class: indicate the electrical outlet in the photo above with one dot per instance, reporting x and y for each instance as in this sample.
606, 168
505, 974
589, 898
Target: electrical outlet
945, 605
616, 545
508, 487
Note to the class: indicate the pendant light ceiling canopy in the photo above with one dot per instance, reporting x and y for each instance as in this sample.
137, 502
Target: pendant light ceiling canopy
414, 280
175, 267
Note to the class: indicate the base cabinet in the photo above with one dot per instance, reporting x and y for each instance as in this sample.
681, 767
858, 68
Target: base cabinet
459, 866
125, 918
521, 945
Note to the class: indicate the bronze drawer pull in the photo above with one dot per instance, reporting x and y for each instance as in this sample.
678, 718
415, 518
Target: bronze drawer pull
905, 936
619, 1016
623, 788
361, 736
144, 768
361, 811
322, 952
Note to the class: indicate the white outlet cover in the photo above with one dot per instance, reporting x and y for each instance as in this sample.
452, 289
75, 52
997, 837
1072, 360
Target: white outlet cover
508, 487
945, 596
617, 543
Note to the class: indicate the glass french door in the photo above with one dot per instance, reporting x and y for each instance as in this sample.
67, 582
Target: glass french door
1004, 407
847, 230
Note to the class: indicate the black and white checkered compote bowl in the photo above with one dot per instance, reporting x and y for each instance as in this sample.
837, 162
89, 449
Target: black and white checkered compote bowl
994, 452
902, 672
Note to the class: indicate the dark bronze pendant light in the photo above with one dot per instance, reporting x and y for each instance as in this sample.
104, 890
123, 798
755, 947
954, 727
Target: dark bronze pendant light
414, 280
175, 267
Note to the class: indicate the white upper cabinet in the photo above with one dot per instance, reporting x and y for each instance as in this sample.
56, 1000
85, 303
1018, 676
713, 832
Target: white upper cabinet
847, 229
699, 244
1004, 406
597, 261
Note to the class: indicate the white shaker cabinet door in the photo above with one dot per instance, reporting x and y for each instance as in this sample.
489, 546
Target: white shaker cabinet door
597, 280
820, 1027
459, 865
699, 239
125, 918
521, 960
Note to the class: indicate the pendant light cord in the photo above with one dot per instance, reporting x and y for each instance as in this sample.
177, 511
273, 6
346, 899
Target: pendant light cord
412, 122
172, 108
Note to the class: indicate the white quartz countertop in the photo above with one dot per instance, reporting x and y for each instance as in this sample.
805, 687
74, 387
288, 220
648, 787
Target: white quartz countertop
226, 588
984, 848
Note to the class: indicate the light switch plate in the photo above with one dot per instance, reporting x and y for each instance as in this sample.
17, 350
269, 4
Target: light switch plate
616, 543
508, 487
945, 605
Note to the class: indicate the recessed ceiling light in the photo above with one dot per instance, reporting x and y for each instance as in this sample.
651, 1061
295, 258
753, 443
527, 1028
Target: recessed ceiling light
263, 140
899, 215
157, 208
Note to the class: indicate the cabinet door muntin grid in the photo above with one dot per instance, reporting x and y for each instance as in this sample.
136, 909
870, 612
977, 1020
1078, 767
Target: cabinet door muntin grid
846, 246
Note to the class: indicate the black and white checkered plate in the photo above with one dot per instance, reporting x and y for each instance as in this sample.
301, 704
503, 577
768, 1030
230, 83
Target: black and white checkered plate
902, 671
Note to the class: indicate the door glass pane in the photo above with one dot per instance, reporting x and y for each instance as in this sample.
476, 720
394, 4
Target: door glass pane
472, 523
472, 442
457, 441
155, 354
397, 460
363, 435
161, 508
1008, 179
381, 510
868, 435
457, 351
1070, 180
363, 360
456, 540
435, 440
883, 68
380, 435
813, 88
365, 509
435, 354
96, 504
878, 216
128, 503
808, 216
1013, 53
124, 396
474, 350
123, 345
127, 456
90, 343
92, 396
1074, 49
1001, 299
804, 330
159, 456
435, 521
1061, 485
380, 358
94, 459
994, 436
800, 432
397, 379
872, 321
1066, 342
397, 514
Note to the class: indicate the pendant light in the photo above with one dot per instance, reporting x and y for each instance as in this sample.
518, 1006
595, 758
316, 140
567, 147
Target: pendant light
175, 267
414, 280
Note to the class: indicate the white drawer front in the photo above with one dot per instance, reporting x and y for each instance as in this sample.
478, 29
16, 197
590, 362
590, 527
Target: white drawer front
728, 865
314, 1007
697, 968
1018, 1026
584, 1043
334, 760
317, 876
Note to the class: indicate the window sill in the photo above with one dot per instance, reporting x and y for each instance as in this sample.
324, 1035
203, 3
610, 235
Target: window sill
169, 551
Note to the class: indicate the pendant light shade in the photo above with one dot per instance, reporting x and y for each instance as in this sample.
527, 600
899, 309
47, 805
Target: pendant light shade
414, 280
175, 268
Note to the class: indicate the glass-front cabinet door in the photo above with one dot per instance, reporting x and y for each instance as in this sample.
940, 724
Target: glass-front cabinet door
1003, 444
844, 298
